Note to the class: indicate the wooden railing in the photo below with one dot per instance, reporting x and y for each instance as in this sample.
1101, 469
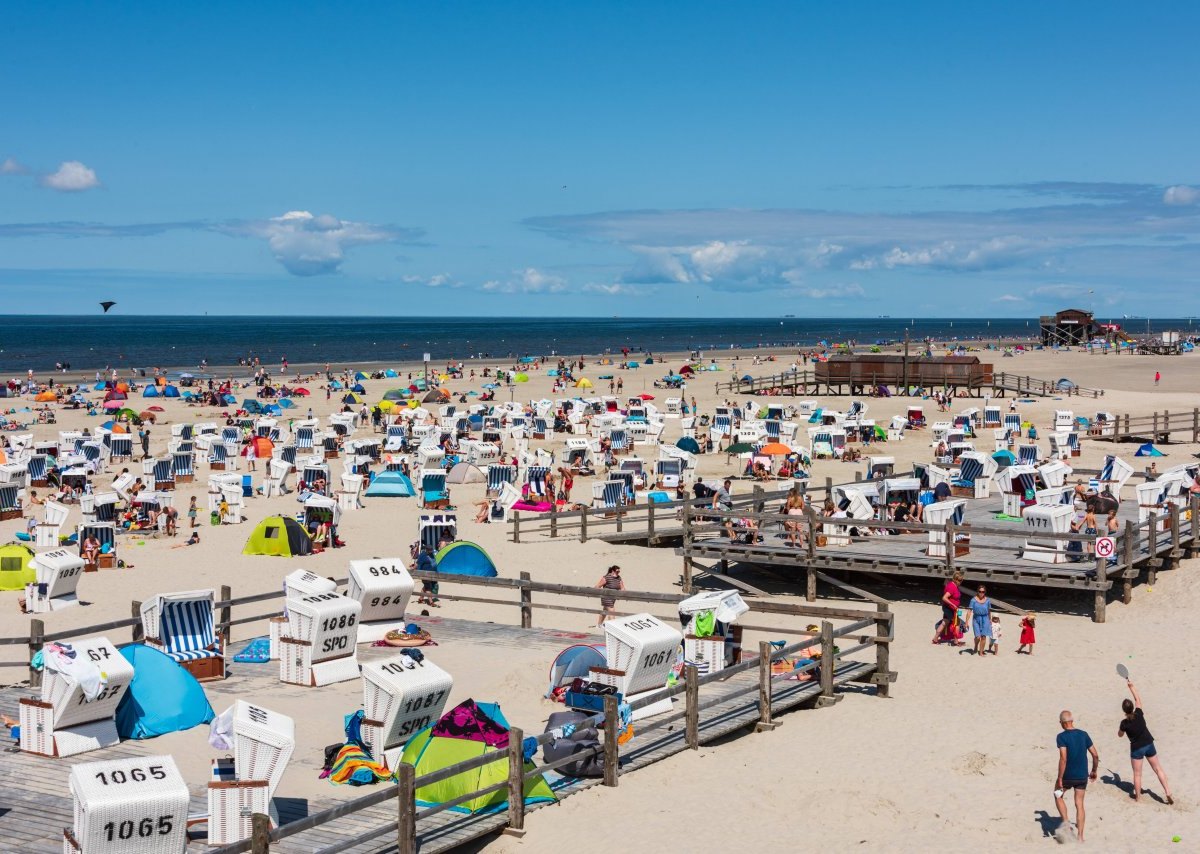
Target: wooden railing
804, 381
1157, 427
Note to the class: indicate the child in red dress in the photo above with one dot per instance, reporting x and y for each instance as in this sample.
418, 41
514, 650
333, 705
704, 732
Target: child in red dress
1028, 638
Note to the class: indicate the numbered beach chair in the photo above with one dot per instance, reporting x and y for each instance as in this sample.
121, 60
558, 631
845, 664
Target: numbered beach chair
321, 649
639, 655
263, 742
401, 697
382, 586
184, 627
128, 806
64, 722
57, 575
1042, 522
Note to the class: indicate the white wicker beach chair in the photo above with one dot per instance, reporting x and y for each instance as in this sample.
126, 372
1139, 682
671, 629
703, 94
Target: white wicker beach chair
128, 806
400, 698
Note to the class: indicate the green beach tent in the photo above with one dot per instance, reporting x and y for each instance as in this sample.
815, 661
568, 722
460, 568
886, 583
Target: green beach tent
16, 568
280, 536
469, 730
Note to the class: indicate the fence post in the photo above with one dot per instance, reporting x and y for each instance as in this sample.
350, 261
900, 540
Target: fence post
526, 602
1195, 426
1127, 560
612, 755
37, 631
883, 651
649, 522
553, 518
1175, 535
687, 547
827, 697
691, 712
1152, 548
138, 634
516, 783
1194, 524
828, 488
226, 614
949, 549
759, 503
260, 834
516, 526
764, 688
1101, 599
583, 525
810, 581
406, 809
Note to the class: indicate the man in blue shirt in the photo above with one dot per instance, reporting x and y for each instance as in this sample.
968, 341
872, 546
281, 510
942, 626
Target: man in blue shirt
1074, 745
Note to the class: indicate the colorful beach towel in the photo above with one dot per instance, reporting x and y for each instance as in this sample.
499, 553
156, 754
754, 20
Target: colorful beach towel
258, 651
353, 767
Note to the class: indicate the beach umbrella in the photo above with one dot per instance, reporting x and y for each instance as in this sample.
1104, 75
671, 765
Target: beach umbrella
108, 425
148, 416
687, 443
774, 449
739, 448
386, 405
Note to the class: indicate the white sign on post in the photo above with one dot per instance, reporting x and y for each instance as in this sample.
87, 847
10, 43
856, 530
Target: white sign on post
1105, 547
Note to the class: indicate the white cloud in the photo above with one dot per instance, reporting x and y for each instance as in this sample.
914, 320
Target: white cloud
438, 280
11, 167
308, 245
1181, 194
615, 289
528, 281
1009, 298
852, 289
71, 177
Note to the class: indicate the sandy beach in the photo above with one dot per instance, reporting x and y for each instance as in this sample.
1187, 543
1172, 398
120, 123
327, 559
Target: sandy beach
962, 754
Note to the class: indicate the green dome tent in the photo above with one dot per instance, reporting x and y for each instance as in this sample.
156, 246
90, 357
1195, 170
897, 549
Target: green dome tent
15, 567
281, 536
469, 730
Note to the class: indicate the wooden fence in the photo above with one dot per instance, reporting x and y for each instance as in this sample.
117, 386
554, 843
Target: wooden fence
1159, 427
808, 382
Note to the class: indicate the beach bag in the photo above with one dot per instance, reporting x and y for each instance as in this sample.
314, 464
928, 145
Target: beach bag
214, 518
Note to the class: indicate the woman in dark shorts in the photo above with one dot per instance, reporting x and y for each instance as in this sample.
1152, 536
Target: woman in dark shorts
1141, 744
951, 597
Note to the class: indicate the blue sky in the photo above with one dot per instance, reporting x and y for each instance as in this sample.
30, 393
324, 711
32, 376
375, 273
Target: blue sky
695, 159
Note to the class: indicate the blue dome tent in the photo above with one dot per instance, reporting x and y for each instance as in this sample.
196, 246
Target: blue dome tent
390, 484
150, 391
162, 698
465, 558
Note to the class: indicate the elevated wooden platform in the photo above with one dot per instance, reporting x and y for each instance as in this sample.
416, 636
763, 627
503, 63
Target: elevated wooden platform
38, 806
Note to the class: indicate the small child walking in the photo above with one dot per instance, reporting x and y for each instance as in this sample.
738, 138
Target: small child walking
994, 643
192, 512
1028, 636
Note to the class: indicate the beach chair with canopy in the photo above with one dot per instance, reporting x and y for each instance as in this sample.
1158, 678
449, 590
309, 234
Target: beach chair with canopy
669, 472
48, 531
945, 512
608, 495
183, 626
57, 574
535, 479
263, 742
434, 493
400, 699
217, 456
1012, 421
183, 466
1028, 455
164, 475
974, 477
1114, 473
434, 527
992, 416
10, 502
38, 471
1042, 523
63, 721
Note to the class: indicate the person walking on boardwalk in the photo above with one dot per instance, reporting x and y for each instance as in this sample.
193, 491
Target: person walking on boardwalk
1141, 743
611, 580
1074, 745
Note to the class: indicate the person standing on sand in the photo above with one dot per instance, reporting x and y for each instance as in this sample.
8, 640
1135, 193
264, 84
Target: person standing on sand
611, 580
981, 620
951, 598
1074, 745
1157, 377
1141, 743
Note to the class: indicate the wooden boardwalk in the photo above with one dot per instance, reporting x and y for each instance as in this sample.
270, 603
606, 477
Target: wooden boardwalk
808, 382
38, 806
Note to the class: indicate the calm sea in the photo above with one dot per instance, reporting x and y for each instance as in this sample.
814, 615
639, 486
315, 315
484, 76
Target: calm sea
95, 342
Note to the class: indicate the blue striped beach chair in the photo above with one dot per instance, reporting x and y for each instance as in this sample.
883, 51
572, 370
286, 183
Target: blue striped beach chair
164, 477
535, 476
182, 625
497, 476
